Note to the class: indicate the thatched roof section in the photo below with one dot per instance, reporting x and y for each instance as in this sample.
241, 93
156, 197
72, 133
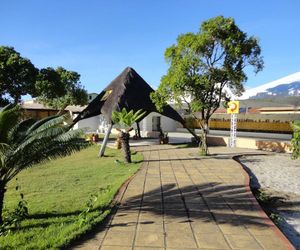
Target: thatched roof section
128, 90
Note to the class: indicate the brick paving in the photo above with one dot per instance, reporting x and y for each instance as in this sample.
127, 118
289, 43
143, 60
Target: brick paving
179, 200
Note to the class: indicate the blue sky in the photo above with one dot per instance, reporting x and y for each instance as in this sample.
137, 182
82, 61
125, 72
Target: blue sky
98, 39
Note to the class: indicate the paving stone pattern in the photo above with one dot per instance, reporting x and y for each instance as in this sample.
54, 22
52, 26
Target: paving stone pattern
181, 201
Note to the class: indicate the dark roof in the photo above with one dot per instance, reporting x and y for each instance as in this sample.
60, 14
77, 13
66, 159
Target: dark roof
128, 90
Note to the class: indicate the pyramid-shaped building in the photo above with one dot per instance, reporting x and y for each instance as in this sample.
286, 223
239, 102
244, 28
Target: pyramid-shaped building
128, 90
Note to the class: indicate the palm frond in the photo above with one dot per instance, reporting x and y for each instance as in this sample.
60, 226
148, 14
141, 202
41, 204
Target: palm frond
9, 117
18, 132
42, 150
8, 107
4, 149
48, 134
125, 118
3, 146
40, 123
37, 142
138, 115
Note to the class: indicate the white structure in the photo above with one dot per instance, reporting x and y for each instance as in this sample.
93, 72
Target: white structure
92, 96
88, 125
149, 126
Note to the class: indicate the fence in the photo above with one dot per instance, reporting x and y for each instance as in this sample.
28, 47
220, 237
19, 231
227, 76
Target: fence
278, 126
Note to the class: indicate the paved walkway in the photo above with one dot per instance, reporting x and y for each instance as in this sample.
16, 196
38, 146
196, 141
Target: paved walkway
181, 201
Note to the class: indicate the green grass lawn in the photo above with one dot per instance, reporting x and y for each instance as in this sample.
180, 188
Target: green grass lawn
57, 193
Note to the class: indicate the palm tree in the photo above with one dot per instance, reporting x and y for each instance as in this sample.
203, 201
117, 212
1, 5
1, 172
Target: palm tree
24, 143
126, 119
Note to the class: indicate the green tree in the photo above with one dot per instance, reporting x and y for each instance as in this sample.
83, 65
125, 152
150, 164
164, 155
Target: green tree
58, 88
296, 140
126, 119
17, 76
204, 65
24, 143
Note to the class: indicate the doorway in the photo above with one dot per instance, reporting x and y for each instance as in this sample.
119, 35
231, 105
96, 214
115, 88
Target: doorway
156, 123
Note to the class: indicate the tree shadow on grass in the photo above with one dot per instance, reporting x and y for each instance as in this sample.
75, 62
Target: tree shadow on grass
48, 218
48, 215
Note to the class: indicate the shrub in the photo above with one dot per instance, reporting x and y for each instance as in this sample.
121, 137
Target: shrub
296, 140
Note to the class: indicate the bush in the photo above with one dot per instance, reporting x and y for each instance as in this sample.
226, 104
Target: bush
296, 140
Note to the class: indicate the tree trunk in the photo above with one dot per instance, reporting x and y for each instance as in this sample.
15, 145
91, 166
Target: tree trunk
118, 142
16, 100
125, 146
2, 192
138, 129
105, 140
203, 142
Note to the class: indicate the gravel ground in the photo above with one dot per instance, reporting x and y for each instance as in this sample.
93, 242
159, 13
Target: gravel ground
279, 176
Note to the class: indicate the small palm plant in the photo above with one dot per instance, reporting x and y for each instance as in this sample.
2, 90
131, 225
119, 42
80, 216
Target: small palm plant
126, 119
296, 140
24, 143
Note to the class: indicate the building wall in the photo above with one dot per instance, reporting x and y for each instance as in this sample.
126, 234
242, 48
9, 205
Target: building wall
89, 124
278, 146
167, 124
38, 114
92, 124
91, 96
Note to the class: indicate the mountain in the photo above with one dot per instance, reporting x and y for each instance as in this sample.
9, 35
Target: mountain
283, 87
289, 101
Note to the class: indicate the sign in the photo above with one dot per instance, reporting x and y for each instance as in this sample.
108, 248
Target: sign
233, 107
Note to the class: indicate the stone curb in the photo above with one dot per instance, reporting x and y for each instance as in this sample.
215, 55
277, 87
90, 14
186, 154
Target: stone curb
268, 221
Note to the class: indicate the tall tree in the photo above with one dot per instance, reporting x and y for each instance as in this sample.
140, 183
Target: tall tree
204, 65
58, 88
25, 143
17, 76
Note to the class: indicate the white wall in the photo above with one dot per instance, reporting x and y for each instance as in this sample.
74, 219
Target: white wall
167, 124
96, 123
89, 124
